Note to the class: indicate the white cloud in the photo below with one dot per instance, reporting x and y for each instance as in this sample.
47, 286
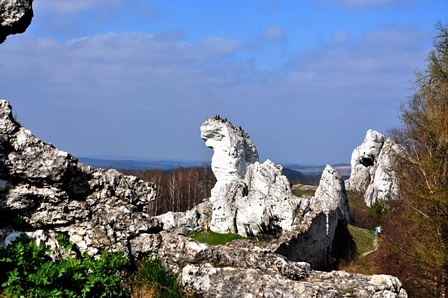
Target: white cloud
69, 6
135, 83
387, 49
273, 34
376, 3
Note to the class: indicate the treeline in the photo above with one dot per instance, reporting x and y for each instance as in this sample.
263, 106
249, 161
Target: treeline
178, 189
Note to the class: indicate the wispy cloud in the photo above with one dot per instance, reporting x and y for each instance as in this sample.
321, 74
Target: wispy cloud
376, 3
68, 6
273, 34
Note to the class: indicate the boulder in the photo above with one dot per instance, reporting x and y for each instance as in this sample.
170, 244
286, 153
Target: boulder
15, 17
372, 168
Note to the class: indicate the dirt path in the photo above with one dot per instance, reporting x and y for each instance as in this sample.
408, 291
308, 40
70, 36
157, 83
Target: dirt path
375, 247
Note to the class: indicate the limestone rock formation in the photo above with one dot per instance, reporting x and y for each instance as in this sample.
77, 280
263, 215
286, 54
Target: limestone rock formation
101, 210
48, 188
249, 198
243, 269
15, 17
372, 172
309, 241
330, 194
311, 237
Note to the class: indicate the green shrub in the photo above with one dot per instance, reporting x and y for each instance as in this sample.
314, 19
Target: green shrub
29, 271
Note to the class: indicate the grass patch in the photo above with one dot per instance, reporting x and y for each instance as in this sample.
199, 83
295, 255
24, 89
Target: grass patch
212, 238
349, 246
153, 281
363, 238
303, 192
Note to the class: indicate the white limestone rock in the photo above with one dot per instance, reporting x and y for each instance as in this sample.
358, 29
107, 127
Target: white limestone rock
248, 198
372, 172
233, 151
244, 269
269, 205
49, 189
330, 194
311, 238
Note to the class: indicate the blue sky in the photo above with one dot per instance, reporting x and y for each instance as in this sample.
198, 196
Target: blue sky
306, 79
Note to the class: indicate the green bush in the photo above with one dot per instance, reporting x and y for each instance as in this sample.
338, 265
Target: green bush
29, 271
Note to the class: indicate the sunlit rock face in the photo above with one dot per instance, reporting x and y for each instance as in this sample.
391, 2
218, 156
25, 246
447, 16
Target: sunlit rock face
15, 17
330, 194
372, 172
47, 187
105, 210
249, 197
233, 151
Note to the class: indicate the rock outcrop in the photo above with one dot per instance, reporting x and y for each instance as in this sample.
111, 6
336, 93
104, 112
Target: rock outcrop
372, 172
255, 199
15, 17
48, 189
330, 194
249, 198
244, 269
311, 237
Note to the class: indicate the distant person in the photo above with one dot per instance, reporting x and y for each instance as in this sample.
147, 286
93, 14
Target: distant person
206, 226
306, 209
377, 230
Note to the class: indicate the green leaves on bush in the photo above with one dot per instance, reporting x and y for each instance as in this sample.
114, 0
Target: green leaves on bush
29, 271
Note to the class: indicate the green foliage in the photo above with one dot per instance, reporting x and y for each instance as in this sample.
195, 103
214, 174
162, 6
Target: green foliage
417, 231
363, 216
153, 278
212, 238
30, 272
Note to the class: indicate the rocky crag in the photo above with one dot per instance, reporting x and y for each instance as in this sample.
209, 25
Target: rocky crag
311, 238
50, 192
371, 168
48, 189
254, 199
15, 17
243, 269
